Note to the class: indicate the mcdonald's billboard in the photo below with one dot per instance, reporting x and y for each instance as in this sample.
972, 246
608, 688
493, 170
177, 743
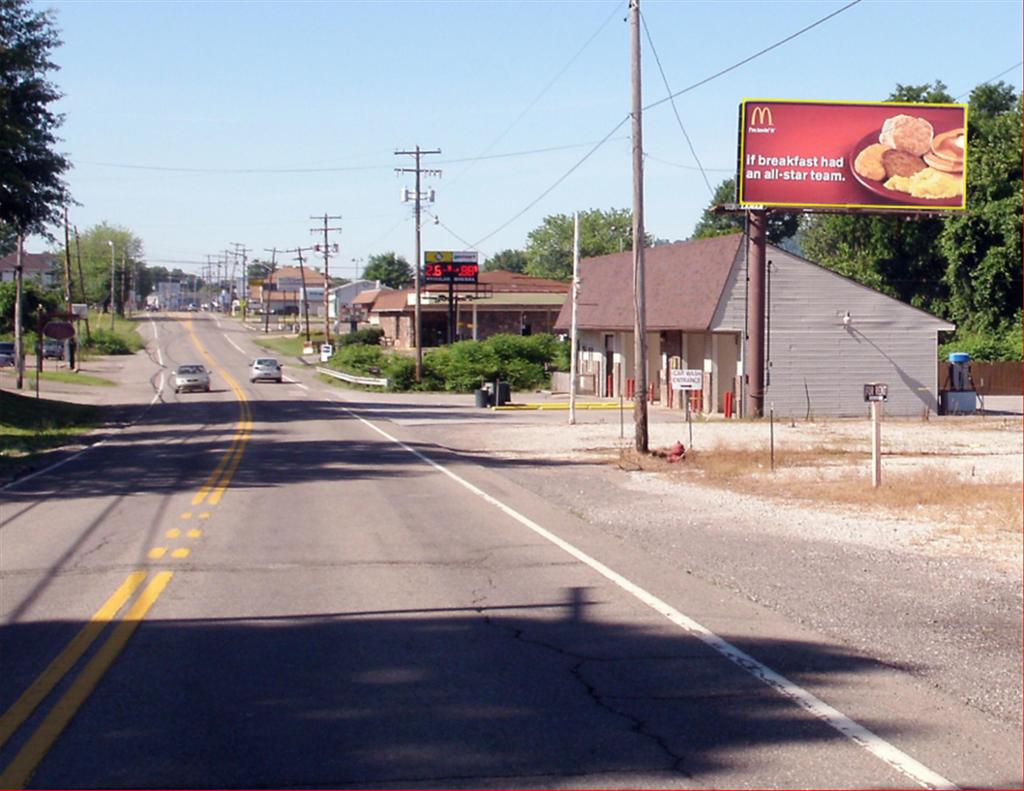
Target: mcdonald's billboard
807, 154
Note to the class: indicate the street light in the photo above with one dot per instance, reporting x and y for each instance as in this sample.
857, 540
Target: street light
113, 277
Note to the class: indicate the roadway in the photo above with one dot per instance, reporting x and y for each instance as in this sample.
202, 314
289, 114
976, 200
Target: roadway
276, 586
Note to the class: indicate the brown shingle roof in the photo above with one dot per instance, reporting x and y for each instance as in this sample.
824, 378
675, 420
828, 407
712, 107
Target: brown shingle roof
391, 300
31, 262
683, 285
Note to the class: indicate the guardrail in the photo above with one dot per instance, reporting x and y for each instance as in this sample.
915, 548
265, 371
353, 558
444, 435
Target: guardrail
366, 381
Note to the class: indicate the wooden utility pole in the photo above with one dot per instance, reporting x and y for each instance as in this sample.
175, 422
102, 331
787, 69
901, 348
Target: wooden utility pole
574, 346
302, 275
327, 254
81, 285
417, 153
639, 297
268, 283
19, 286
242, 251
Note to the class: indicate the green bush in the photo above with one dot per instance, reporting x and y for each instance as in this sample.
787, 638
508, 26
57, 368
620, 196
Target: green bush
987, 346
401, 373
369, 336
359, 359
107, 342
523, 362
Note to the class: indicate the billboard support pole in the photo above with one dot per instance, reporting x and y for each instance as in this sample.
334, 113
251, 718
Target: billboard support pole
757, 222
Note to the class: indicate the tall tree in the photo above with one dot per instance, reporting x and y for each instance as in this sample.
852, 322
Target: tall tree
390, 269
549, 246
983, 246
781, 225
507, 260
96, 262
32, 192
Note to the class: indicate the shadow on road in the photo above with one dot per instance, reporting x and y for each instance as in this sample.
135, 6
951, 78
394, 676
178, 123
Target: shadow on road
500, 696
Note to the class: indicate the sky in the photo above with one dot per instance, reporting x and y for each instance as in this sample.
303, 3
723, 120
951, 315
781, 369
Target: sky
201, 125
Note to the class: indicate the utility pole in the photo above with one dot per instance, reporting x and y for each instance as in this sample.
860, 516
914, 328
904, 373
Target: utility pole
81, 286
268, 281
327, 254
417, 153
113, 280
243, 251
639, 298
19, 288
302, 274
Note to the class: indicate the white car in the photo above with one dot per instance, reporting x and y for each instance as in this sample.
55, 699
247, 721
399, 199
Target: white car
191, 377
265, 368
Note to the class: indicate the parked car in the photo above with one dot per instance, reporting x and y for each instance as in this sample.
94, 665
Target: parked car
265, 368
191, 377
6, 353
53, 350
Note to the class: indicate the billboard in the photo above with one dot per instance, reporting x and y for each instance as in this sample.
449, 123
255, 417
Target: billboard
852, 155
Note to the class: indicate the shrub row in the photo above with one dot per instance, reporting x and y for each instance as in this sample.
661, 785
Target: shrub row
524, 362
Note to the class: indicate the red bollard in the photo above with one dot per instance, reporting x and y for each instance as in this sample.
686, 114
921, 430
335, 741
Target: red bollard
727, 406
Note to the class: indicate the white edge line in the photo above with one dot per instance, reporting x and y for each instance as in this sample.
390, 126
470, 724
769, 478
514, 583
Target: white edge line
857, 733
240, 349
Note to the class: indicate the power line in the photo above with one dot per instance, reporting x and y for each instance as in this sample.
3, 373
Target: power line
675, 110
539, 96
1016, 65
756, 55
616, 128
243, 171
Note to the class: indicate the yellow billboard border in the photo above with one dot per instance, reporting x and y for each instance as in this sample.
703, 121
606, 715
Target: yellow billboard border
898, 206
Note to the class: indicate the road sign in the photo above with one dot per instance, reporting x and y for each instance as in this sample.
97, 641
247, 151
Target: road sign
687, 379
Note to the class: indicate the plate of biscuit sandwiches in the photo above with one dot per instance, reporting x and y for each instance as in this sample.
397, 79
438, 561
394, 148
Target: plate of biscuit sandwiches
908, 162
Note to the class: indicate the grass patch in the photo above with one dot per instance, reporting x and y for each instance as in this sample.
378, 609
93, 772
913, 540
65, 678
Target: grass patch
285, 347
69, 377
832, 476
29, 426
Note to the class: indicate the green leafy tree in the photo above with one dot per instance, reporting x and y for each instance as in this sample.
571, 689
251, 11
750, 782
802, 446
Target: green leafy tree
549, 246
983, 246
34, 297
390, 269
32, 192
781, 225
506, 260
96, 262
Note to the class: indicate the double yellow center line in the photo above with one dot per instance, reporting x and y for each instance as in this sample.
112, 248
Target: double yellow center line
18, 772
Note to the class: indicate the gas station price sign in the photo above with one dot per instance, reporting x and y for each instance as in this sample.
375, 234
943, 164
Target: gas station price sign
447, 266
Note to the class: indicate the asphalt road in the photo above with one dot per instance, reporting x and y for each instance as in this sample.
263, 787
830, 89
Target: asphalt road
287, 586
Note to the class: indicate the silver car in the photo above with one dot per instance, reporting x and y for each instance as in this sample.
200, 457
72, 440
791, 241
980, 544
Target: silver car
191, 377
265, 368
6, 353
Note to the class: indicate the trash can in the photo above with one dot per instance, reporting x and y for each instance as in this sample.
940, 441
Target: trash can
482, 398
502, 393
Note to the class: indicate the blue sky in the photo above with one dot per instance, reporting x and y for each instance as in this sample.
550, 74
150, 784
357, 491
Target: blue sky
197, 125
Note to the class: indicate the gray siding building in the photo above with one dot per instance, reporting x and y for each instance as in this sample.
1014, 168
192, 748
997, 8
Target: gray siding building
826, 335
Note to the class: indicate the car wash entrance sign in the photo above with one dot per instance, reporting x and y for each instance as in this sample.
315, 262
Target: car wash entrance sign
447, 266
892, 155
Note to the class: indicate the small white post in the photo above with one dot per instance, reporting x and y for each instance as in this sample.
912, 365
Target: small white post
876, 444
573, 341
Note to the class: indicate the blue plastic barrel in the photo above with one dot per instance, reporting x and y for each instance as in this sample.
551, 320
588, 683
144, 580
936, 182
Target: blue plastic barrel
959, 357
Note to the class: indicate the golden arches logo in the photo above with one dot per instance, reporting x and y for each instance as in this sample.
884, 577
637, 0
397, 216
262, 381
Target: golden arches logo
762, 116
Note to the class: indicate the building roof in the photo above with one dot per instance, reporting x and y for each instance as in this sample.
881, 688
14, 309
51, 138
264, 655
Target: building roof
369, 296
683, 283
314, 279
501, 281
391, 300
31, 262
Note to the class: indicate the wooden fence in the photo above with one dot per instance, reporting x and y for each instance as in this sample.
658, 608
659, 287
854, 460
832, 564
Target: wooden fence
990, 378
